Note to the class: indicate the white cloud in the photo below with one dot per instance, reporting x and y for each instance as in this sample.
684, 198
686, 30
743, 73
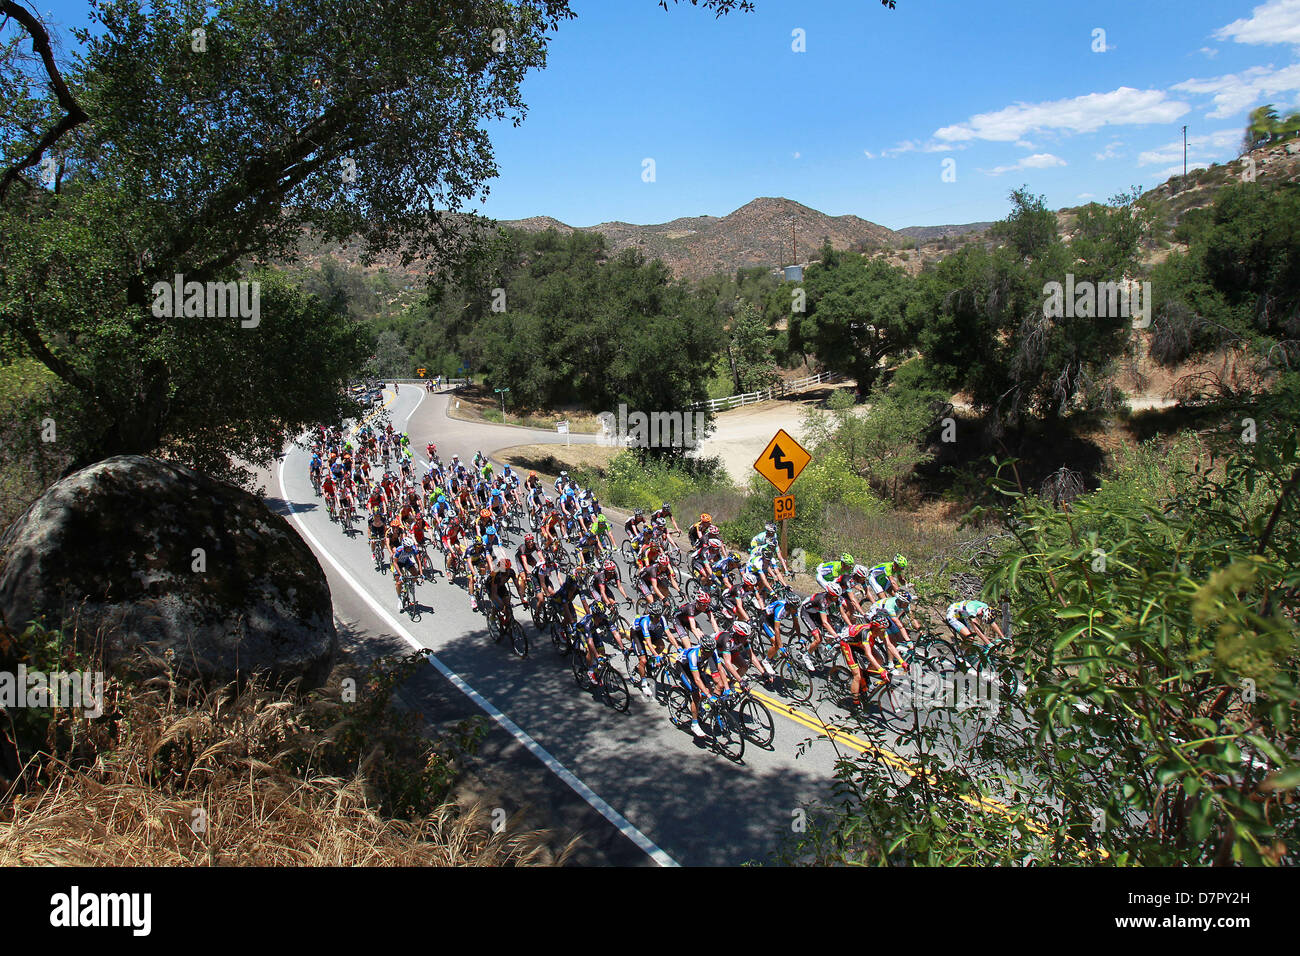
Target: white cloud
1109, 152
1277, 21
869, 154
1220, 139
1209, 51
796, 155
1235, 92
1178, 170
1081, 114
1036, 161
1084, 196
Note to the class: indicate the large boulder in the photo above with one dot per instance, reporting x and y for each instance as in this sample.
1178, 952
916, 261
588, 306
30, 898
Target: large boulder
111, 551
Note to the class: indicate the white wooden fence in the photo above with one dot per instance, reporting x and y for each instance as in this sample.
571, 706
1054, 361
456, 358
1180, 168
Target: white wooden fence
776, 391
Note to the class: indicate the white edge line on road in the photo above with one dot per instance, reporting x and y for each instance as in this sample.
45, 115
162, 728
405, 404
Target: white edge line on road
624, 826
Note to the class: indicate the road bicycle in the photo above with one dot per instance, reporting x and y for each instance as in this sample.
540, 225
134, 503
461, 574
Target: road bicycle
501, 621
405, 587
756, 723
719, 721
610, 684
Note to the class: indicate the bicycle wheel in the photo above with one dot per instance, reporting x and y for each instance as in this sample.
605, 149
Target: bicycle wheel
628, 550
692, 589
726, 732
795, 681
663, 678
679, 708
560, 637
578, 664
756, 722
519, 638
541, 615
494, 627
614, 687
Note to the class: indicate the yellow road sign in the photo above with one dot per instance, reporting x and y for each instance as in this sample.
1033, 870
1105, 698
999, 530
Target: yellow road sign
782, 460
420, 372
782, 507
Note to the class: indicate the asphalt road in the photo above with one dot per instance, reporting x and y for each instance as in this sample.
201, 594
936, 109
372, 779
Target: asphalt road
637, 788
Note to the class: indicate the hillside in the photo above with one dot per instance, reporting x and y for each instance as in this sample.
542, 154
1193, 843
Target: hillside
923, 234
756, 234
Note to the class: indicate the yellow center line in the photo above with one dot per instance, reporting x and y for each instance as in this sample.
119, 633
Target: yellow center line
898, 762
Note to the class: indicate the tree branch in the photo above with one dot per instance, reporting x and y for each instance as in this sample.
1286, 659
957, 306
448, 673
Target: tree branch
73, 116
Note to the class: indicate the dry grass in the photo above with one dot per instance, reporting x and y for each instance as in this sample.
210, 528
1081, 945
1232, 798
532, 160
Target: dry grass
226, 778
479, 404
550, 460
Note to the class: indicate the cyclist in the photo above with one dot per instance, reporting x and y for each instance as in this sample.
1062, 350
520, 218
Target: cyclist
829, 571
598, 619
600, 527
607, 576
888, 577
683, 618
403, 563
649, 636
649, 578
698, 530
376, 525
314, 471
499, 582
736, 653
858, 637
814, 610
768, 538
665, 514
633, 525
691, 661
967, 616
761, 565
327, 489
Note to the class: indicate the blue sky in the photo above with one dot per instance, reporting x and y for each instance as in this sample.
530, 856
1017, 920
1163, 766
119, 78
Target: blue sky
864, 120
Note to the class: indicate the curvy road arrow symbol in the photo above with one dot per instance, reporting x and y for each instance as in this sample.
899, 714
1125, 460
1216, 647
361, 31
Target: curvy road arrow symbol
779, 460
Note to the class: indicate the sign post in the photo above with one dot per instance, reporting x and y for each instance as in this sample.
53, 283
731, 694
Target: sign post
781, 463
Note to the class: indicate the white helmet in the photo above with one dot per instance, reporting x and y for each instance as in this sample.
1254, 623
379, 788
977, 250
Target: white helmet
834, 589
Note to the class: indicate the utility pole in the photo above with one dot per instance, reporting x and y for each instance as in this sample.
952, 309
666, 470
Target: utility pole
1184, 150
794, 250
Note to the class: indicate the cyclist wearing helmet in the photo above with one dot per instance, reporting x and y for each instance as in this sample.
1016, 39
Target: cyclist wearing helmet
888, 577
829, 571
650, 578
762, 565
697, 531
812, 613
499, 588
600, 527
967, 616
684, 617
695, 661
736, 652
632, 526
528, 556
604, 579
860, 637
665, 514
649, 636
889, 612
